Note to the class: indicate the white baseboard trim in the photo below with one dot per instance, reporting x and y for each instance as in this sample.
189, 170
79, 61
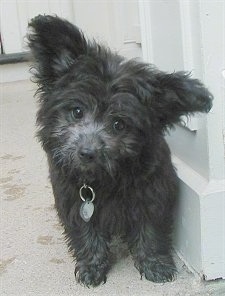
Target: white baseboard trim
189, 176
200, 222
14, 72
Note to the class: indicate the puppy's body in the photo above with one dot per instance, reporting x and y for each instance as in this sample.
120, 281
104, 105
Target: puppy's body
102, 121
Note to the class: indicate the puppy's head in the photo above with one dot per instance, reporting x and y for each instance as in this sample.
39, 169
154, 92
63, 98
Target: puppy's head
100, 114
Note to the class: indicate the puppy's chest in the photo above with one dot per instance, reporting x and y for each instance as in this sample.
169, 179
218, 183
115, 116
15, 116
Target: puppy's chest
112, 214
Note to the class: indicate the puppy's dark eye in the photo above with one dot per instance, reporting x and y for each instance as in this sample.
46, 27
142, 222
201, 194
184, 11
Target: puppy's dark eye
119, 125
77, 113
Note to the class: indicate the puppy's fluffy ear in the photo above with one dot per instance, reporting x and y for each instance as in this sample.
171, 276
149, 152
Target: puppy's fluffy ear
177, 94
55, 45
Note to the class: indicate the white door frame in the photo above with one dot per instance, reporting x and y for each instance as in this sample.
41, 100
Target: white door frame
200, 220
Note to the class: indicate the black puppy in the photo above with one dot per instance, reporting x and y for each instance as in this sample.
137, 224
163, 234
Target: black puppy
101, 122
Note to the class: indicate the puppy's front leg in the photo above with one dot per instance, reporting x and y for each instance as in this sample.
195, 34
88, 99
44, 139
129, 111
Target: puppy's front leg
151, 250
92, 254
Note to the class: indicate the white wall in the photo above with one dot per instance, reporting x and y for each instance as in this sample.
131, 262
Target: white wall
15, 15
114, 23
107, 21
172, 42
191, 38
14, 18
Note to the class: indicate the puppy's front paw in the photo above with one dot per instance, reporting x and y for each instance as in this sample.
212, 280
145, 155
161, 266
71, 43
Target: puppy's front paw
91, 275
158, 270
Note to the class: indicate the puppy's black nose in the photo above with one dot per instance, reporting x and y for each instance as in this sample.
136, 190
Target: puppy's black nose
87, 154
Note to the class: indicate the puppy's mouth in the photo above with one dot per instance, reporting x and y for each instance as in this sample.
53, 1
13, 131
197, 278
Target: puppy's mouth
90, 176
86, 166
96, 170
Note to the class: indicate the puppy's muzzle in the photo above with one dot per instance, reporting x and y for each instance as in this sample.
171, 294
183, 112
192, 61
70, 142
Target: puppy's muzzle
87, 154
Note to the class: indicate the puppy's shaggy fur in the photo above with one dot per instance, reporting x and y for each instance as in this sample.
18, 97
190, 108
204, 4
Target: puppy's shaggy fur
101, 122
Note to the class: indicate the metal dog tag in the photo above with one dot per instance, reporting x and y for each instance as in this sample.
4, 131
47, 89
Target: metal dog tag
87, 207
87, 210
